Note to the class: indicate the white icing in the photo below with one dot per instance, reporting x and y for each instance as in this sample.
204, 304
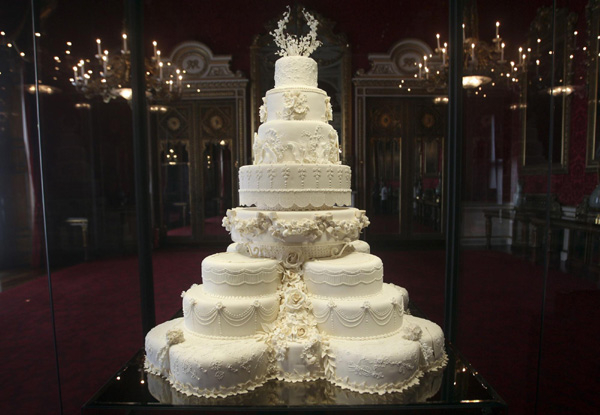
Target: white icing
295, 186
340, 226
355, 274
361, 246
383, 365
297, 296
235, 274
296, 142
227, 316
208, 367
367, 316
296, 70
297, 103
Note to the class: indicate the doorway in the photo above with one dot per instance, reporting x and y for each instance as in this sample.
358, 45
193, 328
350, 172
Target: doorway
404, 165
197, 169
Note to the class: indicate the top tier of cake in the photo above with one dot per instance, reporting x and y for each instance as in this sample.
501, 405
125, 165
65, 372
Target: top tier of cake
296, 71
295, 118
296, 153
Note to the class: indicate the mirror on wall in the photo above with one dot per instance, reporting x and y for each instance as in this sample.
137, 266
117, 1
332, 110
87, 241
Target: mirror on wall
175, 187
217, 186
548, 85
593, 130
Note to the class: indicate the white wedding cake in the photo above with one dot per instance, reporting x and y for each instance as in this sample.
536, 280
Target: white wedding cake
297, 296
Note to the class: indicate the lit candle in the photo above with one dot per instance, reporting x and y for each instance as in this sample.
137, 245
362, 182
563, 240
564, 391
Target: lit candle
502, 52
473, 51
463, 27
438, 41
444, 56
420, 67
99, 42
124, 43
154, 44
160, 67
520, 56
75, 74
104, 64
425, 62
81, 63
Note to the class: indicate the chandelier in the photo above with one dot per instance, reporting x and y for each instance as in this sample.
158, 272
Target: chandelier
483, 62
108, 75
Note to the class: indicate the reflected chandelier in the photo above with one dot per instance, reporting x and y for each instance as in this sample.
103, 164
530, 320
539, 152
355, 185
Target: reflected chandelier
483, 63
109, 75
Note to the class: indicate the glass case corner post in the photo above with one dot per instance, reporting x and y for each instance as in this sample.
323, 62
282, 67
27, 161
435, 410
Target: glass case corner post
135, 27
453, 167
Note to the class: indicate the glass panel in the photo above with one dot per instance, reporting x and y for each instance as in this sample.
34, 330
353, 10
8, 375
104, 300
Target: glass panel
567, 382
26, 309
86, 134
526, 195
528, 290
501, 278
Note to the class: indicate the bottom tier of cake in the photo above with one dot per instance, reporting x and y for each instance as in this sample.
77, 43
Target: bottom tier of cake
218, 367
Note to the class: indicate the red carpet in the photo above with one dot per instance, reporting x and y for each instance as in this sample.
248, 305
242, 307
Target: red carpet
99, 328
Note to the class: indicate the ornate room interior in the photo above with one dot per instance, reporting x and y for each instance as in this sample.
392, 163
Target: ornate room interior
524, 194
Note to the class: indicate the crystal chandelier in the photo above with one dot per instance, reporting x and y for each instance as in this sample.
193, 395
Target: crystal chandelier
483, 62
108, 75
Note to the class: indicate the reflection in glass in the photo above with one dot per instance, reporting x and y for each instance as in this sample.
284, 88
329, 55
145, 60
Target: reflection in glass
217, 184
176, 188
548, 85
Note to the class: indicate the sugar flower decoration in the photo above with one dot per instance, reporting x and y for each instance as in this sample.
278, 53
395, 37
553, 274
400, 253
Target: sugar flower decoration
292, 45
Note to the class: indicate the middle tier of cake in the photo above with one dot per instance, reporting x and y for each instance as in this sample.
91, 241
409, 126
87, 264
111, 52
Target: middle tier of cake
294, 237
295, 186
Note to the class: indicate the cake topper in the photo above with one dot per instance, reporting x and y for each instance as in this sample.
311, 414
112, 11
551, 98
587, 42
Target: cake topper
292, 45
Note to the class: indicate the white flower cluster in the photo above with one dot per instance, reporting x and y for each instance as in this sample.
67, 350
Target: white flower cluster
292, 45
175, 337
262, 111
296, 322
312, 229
295, 105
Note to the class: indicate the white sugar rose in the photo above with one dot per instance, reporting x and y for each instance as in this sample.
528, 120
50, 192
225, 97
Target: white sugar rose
293, 259
295, 300
411, 332
175, 337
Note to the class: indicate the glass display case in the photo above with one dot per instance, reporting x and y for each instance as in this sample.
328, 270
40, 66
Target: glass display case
470, 128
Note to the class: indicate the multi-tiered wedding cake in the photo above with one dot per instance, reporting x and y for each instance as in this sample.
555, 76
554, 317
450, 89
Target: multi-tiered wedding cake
297, 296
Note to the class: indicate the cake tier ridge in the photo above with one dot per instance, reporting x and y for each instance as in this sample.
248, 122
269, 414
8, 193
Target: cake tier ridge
295, 186
361, 317
234, 274
296, 71
353, 275
205, 366
227, 316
